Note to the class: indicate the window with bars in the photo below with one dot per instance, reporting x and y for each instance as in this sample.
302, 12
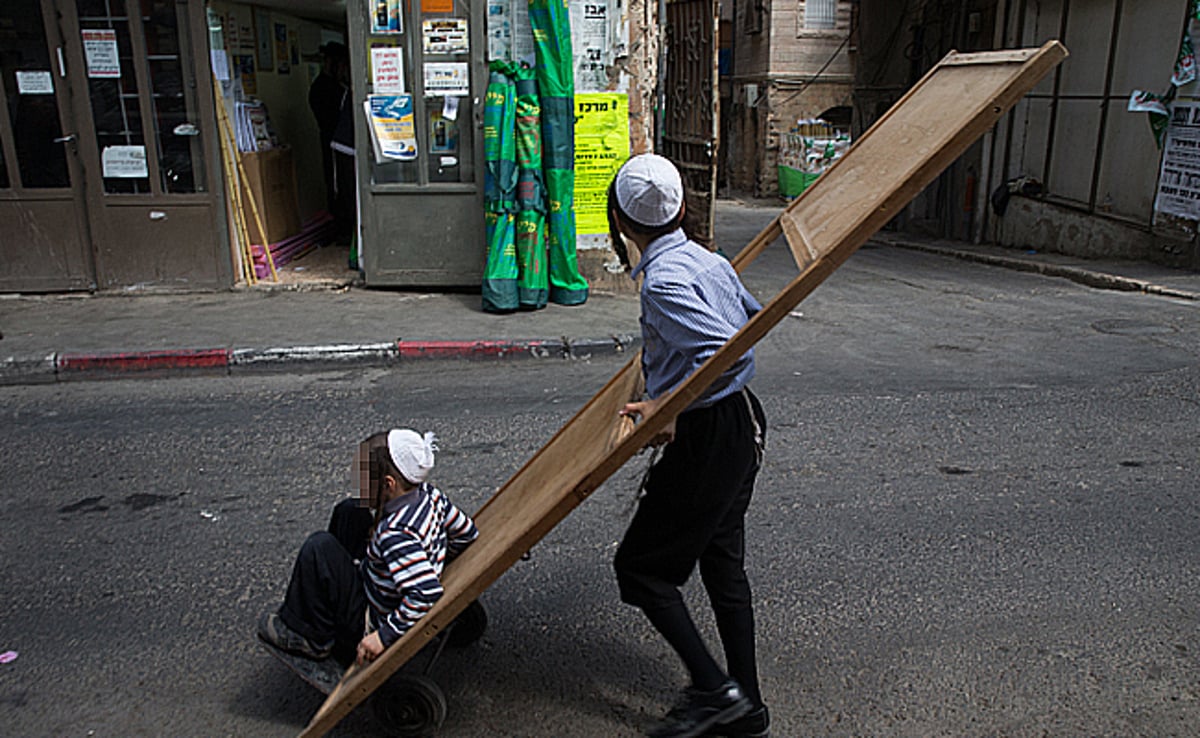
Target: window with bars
818, 15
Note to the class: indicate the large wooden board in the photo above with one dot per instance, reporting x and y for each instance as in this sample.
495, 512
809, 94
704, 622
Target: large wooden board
933, 124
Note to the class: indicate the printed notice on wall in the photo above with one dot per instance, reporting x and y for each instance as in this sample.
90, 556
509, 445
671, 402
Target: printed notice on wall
445, 36
124, 162
592, 50
35, 83
100, 50
1179, 179
393, 133
510, 37
387, 16
387, 70
601, 147
447, 78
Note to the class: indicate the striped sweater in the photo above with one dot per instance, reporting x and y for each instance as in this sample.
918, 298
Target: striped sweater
405, 556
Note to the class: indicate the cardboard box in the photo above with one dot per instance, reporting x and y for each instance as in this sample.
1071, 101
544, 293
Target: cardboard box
271, 180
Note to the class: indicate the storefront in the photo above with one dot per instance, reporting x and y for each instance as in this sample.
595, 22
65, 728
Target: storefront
161, 144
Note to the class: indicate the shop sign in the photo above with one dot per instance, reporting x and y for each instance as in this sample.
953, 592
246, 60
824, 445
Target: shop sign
601, 146
446, 36
447, 78
35, 83
1179, 178
100, 50
124, 162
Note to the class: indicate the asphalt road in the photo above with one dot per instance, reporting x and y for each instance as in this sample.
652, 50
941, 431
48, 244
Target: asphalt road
978, 516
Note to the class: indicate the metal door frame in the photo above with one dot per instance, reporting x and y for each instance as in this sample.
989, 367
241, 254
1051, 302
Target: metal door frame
420, 233
101, 206
690, 131
25, 199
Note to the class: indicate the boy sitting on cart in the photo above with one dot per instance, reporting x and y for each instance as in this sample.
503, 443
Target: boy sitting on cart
358, 587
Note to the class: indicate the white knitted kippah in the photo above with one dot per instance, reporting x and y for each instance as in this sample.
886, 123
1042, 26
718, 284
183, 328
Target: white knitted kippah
650, 190
412, 453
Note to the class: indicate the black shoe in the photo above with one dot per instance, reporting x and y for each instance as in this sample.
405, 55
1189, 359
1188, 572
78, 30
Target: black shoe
274, 631
698, 711
754, 724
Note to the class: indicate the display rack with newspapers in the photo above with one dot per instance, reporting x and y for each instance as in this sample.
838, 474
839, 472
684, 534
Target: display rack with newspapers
252, 126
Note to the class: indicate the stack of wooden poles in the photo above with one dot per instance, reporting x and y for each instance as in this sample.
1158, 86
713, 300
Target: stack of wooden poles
235, 175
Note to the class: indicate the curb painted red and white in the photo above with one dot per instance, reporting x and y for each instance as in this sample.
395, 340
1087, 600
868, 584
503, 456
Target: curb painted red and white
60, 367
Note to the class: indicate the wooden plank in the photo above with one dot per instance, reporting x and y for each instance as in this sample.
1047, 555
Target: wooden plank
1010, 56
931, 126
802, 250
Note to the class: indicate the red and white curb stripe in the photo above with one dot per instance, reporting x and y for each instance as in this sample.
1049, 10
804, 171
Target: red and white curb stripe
60, 367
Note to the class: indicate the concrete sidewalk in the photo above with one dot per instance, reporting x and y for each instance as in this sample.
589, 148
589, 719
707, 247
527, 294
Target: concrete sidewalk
63, 337
1126, 276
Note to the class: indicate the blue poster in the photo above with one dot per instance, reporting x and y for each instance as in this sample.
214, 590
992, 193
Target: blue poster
392, 126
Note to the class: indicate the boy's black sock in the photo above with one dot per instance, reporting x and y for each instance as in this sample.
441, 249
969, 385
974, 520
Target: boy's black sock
736, 628
676, 626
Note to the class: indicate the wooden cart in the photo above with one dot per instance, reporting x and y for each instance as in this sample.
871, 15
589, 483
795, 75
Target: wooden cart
960, 99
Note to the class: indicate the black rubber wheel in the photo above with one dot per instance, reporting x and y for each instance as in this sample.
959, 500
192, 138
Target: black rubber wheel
469, 626
409, 706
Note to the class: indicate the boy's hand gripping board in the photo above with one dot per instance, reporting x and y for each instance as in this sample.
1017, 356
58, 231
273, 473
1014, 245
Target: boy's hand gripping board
959, 100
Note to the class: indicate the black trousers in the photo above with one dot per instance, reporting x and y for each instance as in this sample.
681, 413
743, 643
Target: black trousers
325, 600
694, 513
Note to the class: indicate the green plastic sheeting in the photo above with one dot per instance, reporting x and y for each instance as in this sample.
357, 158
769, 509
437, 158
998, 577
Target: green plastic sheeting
500, 292
551, 22
532, 279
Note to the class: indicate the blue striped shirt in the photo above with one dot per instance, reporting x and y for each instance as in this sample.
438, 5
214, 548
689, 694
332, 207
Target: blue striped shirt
405, 557
692, 303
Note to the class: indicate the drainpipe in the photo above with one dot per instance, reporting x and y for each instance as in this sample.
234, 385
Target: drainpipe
982, 214
660, 115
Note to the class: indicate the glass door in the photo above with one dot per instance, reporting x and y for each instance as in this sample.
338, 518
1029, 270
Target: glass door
148, 142
45, 243
421, 193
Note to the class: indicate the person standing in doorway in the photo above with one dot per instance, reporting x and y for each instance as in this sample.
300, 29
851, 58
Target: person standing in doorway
696, 495
327, 97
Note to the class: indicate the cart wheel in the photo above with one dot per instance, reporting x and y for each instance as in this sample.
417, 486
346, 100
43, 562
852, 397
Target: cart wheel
409, 705
469, 626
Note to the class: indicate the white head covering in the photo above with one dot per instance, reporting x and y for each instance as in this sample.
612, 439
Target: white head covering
411, 453
650, 190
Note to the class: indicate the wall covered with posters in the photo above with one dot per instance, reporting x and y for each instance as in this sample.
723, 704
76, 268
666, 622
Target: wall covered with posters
614, 99
598, 34
1114, 179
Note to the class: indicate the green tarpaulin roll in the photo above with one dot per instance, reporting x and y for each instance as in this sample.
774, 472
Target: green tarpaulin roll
500, 293
551, 23
532, 280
